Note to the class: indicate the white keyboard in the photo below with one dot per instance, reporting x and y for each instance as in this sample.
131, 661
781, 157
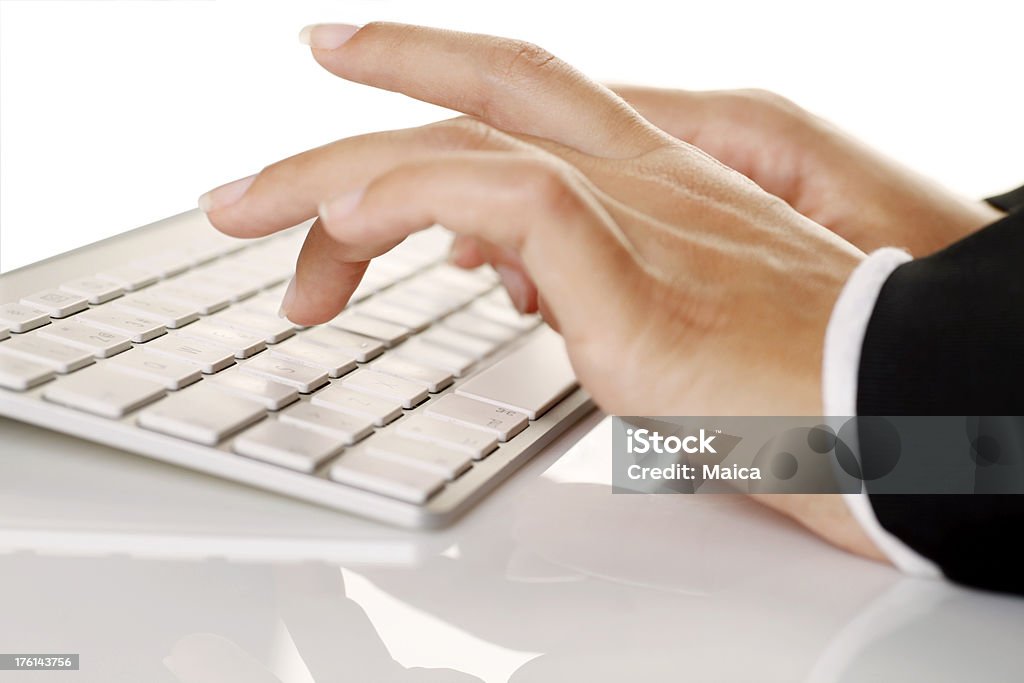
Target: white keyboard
407, 407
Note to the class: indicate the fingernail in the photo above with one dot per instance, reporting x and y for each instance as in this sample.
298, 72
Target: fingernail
225, 195
287, 300
327, 36
341, 206
515, 284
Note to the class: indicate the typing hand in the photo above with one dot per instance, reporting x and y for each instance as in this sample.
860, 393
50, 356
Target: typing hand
823, 173
680, 287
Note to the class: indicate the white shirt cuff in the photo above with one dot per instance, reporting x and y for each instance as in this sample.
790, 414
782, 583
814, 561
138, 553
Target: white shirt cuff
844, 338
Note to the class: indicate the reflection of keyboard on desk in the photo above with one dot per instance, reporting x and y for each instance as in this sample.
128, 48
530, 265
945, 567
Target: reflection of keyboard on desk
427, 390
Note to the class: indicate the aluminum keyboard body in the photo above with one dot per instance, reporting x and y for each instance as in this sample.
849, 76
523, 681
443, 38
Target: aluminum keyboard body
403, 413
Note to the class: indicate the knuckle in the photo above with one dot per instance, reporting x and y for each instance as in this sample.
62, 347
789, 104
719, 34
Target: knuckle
516, 61
771, 100
459, 134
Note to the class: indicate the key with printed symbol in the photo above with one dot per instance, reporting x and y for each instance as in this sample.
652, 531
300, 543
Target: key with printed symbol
380, 411
202, 414
362, 348
477, 443
103, 392
167, 313
21, 374
95, 290
242, 344
432, 379
273, 395
501, 422
406, 393
99, 343
206, 357
287, 445
56, 356
56, 303
136, 328
171, 374
20, 318
302, 377
335, 362
447, 462
362, 470
348, 428
389, 333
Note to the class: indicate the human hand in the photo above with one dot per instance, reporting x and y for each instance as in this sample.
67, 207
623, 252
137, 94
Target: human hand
680, 287
825, 174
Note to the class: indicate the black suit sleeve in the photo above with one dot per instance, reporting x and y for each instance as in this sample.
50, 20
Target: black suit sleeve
946, 337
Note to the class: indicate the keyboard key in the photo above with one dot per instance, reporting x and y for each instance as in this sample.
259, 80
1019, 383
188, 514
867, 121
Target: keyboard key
20, 318
166, 313
389, 333
19, 374
460, 342
103, 392
242, 344
171, 374
5, 332
348, 428
435, 356
95, 290
232, 284
201, 414
478, 326
447, 462
136, 328
129, 277
406, 393
273, 329
287, 445
302, 377
504, 313
529, 380
334, 362
205, 301
167, 264
56, 303
501, 422
432, 379
379, 410
361, 348
411, 484
273, 395
407, 317
206, 357
99, 343
56, 356
477, 443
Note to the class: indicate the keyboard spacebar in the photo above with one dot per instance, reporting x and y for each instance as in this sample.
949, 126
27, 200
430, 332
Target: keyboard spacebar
531, 379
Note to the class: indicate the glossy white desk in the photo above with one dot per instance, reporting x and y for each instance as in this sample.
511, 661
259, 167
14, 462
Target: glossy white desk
156, 574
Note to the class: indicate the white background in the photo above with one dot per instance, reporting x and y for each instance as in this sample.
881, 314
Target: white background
117, 113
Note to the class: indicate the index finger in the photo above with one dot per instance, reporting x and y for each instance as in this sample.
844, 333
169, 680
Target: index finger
512, 85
